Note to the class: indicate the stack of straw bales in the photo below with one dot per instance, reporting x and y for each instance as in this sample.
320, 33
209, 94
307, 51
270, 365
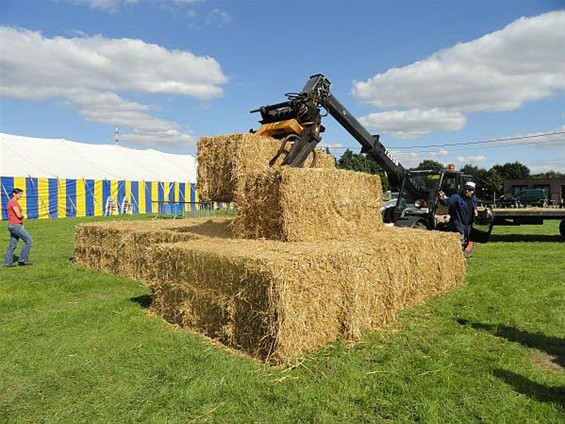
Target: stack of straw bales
310, 262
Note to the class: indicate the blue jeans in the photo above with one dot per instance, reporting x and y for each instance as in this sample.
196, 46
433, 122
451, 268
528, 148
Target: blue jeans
17, 232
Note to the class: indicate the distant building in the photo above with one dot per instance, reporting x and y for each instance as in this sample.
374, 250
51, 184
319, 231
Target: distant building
554, 187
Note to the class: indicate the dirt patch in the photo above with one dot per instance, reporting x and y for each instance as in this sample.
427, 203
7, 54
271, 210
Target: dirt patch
548, 362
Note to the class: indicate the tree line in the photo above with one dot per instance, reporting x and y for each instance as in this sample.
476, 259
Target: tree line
489, 181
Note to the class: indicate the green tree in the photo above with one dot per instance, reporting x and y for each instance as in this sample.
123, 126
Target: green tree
473, 171
549, 174
429, 164
512, 171
492, 183
362, 163
477, 175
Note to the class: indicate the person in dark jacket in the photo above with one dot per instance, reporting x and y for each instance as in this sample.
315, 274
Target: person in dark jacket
462, 210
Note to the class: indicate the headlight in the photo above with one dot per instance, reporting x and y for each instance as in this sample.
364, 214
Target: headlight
420, 203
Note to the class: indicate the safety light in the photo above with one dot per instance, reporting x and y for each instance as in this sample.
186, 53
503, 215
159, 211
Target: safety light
451, 166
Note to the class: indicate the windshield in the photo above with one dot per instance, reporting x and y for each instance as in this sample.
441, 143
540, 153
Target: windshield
418, 186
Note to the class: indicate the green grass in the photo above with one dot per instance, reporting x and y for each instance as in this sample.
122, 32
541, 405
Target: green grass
79, 346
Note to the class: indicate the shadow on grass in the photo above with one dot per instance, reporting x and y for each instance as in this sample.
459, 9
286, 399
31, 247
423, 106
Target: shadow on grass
532, 389
512, 238
144, 300
553, 346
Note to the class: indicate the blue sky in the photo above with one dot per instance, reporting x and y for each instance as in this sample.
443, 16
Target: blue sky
431, 77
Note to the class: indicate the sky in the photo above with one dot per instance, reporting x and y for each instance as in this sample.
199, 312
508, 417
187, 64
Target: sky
456, 81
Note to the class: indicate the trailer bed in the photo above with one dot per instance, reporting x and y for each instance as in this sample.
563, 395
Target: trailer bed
543, 213
529, 216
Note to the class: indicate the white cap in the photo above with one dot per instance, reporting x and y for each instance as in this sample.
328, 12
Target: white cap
470, 184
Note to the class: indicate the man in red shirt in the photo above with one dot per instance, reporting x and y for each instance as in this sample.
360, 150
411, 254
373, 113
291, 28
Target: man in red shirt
17, 231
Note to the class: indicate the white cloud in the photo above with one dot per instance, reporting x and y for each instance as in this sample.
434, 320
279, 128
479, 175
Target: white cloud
554, 144
107, 5
502, 70
99, 63
217, 18
414, 123
409, 159
547, 140
441, 153
335, 145
88, 73
109, 108
539, 167
473, 160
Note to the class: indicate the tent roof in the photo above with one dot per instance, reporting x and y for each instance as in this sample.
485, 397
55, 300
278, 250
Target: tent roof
40, 157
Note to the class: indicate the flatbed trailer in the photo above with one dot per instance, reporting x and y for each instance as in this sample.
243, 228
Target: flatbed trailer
529, 216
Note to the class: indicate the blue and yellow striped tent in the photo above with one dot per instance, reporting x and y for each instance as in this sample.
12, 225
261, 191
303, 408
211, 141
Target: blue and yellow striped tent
49, 198
64, 179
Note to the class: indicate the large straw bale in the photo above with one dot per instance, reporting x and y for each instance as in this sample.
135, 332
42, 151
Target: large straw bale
277, 301
123, 248
274, 300
225, 161
308, 204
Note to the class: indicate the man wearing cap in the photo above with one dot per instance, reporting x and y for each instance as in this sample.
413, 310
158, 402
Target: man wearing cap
17, 231
462, 210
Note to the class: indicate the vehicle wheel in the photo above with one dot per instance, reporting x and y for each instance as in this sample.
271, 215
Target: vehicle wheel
420, 225
562, 229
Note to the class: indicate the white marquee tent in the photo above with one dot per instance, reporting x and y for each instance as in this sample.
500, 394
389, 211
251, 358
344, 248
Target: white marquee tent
64, 178
40, 157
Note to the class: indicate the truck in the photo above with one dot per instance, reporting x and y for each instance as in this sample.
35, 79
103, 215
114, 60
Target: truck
297, 122
526, 197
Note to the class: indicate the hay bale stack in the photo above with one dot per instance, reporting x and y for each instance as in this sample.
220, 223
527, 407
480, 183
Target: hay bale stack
313, 262
309, 204
124, 248
277, 301
225, 161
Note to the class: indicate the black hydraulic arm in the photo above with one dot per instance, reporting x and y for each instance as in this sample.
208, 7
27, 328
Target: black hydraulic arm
305, 107
370, 143
317, 89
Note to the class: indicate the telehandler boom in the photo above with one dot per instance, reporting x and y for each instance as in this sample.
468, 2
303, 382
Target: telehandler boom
298, 123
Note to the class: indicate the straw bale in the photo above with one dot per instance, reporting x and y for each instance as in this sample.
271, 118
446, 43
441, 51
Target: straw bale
274, 300
307, 204
123, 248
225, 161
277, 301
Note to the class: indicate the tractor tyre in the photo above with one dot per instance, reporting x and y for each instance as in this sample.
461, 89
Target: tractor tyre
420, 225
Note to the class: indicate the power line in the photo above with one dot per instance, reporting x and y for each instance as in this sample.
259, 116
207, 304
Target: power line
469, 143
496, 140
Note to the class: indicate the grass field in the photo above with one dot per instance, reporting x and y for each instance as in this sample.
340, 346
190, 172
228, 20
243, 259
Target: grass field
79, 346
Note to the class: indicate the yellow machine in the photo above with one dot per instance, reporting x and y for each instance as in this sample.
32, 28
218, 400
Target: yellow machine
280, 129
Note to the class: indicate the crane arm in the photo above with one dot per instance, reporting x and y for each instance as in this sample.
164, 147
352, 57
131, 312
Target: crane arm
304, 109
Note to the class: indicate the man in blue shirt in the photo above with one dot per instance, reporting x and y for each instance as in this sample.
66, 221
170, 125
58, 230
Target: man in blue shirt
462, 210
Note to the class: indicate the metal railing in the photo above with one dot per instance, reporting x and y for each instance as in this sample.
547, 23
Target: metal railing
166, 209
